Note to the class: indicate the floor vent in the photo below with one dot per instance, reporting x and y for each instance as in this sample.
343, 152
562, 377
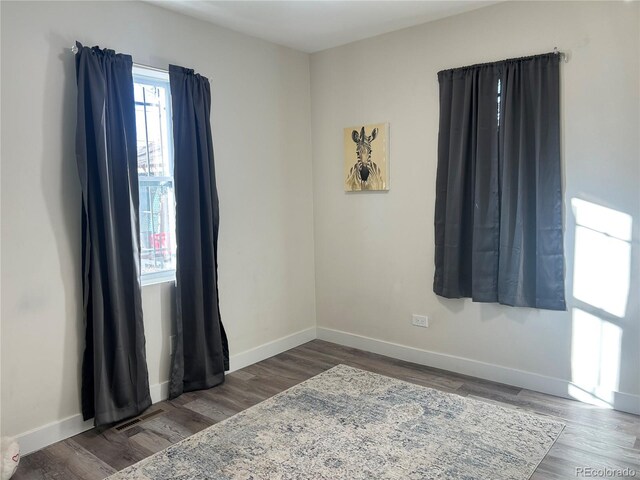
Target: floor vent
138, 420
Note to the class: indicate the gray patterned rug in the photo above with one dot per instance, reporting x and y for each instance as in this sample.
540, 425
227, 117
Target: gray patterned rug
350, 424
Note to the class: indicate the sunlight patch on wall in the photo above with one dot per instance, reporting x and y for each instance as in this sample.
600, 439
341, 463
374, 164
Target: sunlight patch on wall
602, 257
595, 355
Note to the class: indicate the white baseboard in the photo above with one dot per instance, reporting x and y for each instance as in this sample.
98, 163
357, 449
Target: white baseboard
54, 432
269, 349
531, 381
51, 433
159, 391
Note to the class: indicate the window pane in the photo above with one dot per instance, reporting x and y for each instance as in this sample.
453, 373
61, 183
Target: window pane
152, 125
141, 143
157, 227
137, 91
154, 143
155, 174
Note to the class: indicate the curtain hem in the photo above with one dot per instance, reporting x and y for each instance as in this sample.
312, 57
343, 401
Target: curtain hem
211, 382
120, 414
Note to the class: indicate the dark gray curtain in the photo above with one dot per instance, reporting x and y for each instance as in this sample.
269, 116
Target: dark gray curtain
498, 216
115, 383
531, 269
467, 211
201, 353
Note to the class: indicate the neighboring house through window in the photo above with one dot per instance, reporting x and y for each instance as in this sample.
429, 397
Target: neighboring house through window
155, 175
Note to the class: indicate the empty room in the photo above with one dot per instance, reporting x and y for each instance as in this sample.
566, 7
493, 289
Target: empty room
324, 240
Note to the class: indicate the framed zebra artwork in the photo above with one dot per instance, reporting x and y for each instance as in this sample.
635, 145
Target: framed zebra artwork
366, 157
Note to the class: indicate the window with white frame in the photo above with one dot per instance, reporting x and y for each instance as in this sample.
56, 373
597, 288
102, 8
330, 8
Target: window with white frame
155, 175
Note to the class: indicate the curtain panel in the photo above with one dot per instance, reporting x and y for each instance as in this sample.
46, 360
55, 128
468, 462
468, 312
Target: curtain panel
498, 215
115, 383
201, 352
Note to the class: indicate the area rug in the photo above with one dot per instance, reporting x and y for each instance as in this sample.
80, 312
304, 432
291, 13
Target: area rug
350, 424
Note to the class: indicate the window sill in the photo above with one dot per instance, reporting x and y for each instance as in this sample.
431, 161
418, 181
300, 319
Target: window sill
156, 278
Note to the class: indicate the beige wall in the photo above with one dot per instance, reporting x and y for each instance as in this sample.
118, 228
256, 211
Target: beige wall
374, 251
260, 119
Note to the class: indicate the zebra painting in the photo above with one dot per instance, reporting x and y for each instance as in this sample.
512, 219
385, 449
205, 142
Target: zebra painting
368, 171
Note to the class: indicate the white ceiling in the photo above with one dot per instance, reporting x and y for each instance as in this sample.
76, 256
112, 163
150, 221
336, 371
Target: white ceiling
311, 26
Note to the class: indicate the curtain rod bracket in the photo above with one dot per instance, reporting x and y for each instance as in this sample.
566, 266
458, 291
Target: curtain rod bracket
563, 56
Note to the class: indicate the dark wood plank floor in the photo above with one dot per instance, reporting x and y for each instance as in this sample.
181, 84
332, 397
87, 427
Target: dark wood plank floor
593, 437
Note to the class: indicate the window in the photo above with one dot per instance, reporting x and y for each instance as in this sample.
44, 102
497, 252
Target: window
155, 175
499, 200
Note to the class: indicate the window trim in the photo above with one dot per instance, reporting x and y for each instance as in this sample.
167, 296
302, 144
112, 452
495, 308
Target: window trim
155, 278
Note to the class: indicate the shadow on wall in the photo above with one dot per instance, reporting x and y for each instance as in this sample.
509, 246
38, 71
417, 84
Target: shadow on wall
601, 287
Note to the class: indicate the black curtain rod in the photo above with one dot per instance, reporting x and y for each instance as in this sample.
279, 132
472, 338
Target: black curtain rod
563, 56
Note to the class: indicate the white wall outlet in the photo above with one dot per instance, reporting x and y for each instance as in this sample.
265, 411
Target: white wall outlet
420, 321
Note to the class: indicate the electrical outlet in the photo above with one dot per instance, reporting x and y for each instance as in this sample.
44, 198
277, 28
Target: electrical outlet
420, 321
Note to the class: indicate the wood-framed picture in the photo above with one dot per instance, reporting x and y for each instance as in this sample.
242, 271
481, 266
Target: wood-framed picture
366, 158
